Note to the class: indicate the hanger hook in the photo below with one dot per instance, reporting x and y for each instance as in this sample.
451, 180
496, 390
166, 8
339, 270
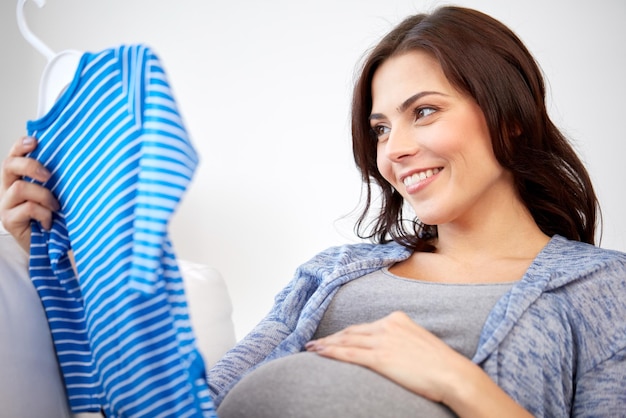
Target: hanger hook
30, 37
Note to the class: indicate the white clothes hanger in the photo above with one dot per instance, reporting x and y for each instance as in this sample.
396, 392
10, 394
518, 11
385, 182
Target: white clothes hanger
60, 69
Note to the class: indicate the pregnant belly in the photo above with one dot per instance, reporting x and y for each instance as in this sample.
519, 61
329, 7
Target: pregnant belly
307, 385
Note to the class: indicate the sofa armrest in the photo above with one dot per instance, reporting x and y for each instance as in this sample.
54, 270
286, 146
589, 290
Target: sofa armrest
210, 309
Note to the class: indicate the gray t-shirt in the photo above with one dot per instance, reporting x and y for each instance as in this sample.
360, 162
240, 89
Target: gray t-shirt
308, 385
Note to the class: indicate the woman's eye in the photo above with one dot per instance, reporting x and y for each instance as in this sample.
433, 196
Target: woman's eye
422, 112
380, 130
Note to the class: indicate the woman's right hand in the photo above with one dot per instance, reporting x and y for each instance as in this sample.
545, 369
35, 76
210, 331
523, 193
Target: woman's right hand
22, 201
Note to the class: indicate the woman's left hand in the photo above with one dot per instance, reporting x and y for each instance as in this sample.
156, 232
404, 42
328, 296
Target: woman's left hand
406, 353
399, 349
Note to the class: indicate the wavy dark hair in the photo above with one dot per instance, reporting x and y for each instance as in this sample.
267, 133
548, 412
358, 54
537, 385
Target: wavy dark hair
483, 58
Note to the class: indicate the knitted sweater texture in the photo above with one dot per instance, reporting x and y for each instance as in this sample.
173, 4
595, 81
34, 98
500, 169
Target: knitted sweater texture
556, 342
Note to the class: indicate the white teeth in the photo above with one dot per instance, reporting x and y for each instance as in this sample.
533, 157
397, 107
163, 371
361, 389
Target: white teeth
422, 175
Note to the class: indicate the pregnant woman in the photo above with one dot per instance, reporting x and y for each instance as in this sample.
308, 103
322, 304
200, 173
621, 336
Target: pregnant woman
482, 292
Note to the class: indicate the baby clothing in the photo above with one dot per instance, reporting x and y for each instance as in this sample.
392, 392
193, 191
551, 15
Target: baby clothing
120, 160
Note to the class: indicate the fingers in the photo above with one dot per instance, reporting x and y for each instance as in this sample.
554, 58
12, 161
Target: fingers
354, 344
355, 336
398, 348
17, 165
369, 344
17, 220
15, 191
22, 201
22, 191
387, 324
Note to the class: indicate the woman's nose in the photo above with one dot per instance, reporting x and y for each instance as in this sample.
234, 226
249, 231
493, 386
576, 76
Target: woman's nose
401, 144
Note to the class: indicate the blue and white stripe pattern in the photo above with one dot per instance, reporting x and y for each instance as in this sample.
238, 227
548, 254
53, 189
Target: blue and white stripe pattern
120, 161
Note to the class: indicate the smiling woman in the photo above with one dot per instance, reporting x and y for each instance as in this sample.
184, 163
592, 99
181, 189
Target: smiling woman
437, 130
492, 69
292, 83
449, 118
482, 292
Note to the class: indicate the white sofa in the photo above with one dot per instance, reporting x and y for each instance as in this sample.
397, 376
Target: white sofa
30, 381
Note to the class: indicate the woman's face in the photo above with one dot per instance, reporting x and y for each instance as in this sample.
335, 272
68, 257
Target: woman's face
434, 145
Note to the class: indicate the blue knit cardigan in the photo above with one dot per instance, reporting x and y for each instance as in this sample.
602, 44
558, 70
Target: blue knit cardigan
556, 342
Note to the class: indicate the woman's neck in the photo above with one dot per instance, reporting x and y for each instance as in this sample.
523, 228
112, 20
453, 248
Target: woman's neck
508, 234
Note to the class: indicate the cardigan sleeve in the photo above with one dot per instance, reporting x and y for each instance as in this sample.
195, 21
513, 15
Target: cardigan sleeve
255, 347
600, 380
601, 392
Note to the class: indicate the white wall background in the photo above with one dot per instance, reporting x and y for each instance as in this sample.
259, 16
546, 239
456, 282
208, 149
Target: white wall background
264, 87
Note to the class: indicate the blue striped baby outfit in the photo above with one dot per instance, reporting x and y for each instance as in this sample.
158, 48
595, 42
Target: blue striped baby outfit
120, 161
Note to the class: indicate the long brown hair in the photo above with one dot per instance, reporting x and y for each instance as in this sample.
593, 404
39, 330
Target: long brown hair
484, 59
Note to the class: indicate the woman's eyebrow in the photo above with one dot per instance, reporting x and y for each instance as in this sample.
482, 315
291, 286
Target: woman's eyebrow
407, 103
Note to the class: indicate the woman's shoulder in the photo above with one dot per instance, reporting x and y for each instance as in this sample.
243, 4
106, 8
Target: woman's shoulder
357, 256
365, 251
589, 282
567, 258
588, 289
